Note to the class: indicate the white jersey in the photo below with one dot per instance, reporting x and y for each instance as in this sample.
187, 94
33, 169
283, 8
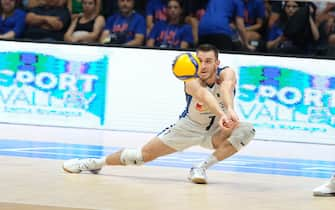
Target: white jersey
197, 125
198, 112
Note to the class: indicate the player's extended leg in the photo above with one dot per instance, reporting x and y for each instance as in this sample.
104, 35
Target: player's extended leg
150, 151
226, 143
327, 189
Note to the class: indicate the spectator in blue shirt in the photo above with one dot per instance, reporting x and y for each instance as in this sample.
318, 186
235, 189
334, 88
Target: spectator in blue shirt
12, 20
125, 27
172, 33
214, 26
254, 14
194, 10
155, 11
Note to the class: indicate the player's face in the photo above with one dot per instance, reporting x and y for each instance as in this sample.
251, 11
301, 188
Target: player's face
208, 65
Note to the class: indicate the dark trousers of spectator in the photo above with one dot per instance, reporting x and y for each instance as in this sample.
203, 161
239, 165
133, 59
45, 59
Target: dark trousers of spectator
221, 41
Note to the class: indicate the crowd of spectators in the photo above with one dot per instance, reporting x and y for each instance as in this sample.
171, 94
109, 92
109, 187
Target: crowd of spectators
284, 27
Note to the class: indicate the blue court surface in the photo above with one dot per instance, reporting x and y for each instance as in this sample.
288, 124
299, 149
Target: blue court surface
237, 163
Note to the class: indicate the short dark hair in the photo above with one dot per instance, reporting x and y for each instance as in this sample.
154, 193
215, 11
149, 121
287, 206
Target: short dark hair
208, 48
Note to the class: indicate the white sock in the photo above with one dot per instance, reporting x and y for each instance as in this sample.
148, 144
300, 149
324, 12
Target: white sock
211, 160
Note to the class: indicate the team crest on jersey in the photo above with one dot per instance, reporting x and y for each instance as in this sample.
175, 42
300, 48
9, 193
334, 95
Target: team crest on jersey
201, 107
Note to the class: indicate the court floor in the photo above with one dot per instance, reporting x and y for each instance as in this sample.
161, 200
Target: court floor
265, 175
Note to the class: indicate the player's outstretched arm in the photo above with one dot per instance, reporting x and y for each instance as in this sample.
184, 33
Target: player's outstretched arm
227, 87
228, 84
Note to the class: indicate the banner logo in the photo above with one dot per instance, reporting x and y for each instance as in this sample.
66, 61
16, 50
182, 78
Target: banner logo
44, 85
276, 97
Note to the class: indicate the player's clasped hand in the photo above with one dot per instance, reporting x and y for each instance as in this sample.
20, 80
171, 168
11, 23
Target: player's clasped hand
229, 119
224, 122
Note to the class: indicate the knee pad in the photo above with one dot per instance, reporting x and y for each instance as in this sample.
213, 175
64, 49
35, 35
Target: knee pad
242, 135
131, 157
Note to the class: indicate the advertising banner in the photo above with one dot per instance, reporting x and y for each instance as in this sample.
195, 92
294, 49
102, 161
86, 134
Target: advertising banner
289, 99
39, 86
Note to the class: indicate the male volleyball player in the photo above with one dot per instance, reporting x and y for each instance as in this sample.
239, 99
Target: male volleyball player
327, 189
209, 120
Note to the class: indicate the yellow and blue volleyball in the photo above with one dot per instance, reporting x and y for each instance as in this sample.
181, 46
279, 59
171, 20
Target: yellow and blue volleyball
186, 66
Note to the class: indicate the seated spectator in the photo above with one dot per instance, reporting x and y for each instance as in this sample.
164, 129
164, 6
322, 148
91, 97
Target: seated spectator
76, 7
254, 14
88, 26
172, 33
109, 7
194, 10
48, 21
155, 11
125, 27
276, 10
214, 26
12, 20
295, 31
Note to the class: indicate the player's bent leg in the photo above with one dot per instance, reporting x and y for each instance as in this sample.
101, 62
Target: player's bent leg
156, 148
226, 143
239, 137
242, 135
326, 190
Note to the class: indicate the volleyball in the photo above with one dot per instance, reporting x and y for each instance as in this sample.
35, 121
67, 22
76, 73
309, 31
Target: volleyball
186, 66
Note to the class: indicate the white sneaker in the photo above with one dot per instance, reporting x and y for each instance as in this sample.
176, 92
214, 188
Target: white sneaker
79, 165
198, 175
326, 190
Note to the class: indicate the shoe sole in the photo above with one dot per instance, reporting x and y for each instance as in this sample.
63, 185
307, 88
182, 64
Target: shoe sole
198, 181
318, 194
66, 170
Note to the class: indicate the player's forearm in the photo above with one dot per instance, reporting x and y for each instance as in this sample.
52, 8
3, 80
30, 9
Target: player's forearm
227, 90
